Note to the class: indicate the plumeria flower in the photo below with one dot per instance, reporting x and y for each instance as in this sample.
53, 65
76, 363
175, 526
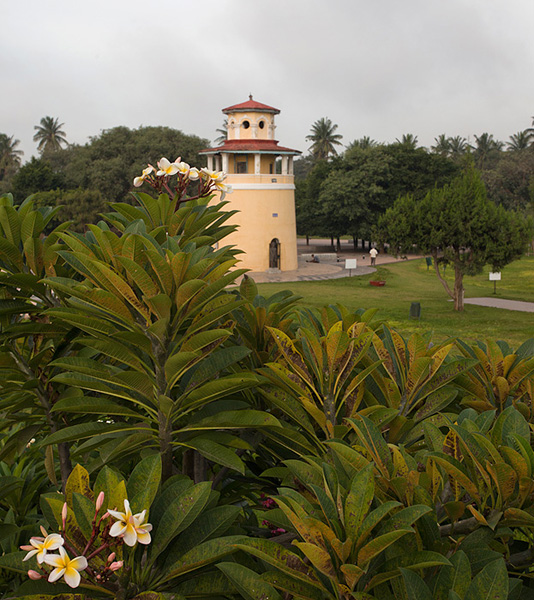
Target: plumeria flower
40, 545
194, 173
223, 188
146, 172
66, 567
213, 175
131, 528
183, 167
166, 168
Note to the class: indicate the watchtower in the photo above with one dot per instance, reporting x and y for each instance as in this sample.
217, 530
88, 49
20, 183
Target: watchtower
261, 175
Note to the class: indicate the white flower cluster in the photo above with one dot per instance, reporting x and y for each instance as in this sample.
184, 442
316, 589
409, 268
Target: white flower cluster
128, 527
211, 180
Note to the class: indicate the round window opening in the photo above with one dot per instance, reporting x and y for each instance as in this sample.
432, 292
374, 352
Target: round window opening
261, 124
246, 124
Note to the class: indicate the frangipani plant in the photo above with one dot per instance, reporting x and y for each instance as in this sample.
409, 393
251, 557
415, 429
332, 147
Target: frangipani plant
108, 552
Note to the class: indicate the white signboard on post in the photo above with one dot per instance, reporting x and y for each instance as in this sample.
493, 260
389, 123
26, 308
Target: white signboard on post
350, 263
494, 276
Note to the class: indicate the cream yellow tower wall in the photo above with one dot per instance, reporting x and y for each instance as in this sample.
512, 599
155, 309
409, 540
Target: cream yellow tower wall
266, 212
264, 199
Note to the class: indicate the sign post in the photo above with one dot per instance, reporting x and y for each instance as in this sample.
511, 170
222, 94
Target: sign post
495, 277
350, 263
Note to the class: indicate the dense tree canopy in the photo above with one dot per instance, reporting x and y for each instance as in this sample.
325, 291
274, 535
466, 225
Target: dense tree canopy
345, 196
109, 162
457, 225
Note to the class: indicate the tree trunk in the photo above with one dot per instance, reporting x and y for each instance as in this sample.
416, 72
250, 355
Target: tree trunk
338, 244
458, 289
354, 243
307, 240
332, 241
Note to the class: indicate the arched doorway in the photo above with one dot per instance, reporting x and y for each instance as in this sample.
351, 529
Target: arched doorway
274, 254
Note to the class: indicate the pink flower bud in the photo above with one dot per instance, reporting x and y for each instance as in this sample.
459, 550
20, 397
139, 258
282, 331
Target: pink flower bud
111, 557
33, 575
116, 565
106, 515
64, 512
99, 501
27, 548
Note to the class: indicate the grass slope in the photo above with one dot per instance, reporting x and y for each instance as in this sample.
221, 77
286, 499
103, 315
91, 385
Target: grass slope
410, 281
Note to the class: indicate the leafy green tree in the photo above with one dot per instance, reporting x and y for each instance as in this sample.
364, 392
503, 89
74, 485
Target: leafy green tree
324, 139
457, 224
109, 162
80, 207
50, 136
35, 176
511, 181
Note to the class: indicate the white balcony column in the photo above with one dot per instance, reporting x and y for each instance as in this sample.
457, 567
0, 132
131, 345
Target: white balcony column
285, 164
210, 162
290, 166
224, 162
257, 164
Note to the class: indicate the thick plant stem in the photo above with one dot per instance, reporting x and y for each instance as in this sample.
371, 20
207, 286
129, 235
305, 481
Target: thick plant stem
164, 420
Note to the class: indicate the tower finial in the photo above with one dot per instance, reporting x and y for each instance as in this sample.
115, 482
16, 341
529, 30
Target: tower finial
250, 96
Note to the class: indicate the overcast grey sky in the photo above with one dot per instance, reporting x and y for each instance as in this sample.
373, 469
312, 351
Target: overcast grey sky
379, 68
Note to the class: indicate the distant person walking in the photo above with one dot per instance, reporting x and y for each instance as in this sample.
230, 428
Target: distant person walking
373, 252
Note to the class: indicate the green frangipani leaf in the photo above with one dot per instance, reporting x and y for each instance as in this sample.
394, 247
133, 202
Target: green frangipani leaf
491, 583
180, 513
144, 482
416, 588
248, 583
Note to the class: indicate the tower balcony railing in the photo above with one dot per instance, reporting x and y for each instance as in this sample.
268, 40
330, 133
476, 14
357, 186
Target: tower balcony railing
261, 178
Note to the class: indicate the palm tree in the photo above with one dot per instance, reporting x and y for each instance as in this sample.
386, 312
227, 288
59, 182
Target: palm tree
442, 145
409, 140
324, 139
485, 148
223, 133
363, 143
49, 135
458, 145
10, 156
520, 140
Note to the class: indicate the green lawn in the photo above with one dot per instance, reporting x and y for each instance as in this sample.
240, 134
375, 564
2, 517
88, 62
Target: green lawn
410, 281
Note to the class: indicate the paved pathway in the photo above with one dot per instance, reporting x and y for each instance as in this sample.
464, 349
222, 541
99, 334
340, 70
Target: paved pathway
502, 303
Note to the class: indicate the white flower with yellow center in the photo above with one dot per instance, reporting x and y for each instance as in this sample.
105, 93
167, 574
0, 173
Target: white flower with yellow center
223, 188
66, 567
166, 168
146, 172
215, 176
194, 173
40, 546
131, 528
183, 168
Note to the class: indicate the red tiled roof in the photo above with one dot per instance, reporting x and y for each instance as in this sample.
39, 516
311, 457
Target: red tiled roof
250, 146
251, 105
